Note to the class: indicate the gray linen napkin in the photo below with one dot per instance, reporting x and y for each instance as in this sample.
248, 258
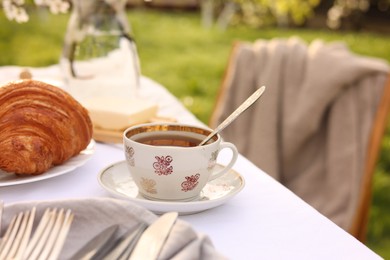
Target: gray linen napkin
94, 214
311, 129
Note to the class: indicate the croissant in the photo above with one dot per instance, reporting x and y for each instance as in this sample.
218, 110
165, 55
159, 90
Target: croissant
40, 126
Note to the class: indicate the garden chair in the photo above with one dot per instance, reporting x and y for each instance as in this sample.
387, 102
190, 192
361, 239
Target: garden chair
319, 125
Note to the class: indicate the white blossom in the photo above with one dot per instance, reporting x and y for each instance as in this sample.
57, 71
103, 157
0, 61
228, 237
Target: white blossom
14, 9
55, 6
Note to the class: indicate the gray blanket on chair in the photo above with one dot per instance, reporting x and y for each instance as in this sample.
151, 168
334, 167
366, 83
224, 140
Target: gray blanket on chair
309, 130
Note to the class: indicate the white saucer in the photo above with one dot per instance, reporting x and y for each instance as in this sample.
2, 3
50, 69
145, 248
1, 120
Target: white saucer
116, 179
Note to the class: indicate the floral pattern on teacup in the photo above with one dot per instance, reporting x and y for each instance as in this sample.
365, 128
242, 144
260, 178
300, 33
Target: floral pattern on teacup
130, 155
212, 160
149, 185
190, 183
163, 165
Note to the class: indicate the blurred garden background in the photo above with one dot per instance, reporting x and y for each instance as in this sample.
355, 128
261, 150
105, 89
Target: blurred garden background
185, 45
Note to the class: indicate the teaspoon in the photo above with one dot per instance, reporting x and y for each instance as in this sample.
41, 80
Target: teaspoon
244, 106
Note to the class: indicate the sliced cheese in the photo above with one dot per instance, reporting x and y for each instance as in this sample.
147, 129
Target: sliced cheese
114, 113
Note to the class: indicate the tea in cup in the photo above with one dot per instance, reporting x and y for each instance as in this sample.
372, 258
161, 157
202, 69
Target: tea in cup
166, 163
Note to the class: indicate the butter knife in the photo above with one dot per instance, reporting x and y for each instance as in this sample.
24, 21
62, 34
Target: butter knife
98, 245
126, 244
154, 237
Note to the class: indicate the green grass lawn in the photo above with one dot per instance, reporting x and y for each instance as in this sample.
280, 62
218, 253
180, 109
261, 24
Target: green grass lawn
189, 60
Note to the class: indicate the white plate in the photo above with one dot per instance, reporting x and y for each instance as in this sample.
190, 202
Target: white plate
8, 179
116, 179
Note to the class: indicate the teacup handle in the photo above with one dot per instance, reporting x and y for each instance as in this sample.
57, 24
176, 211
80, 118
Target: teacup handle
233, 160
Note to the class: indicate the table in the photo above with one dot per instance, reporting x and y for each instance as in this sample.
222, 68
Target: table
264, 221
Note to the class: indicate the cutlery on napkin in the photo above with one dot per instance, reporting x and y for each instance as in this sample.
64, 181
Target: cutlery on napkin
137, 243
92, 215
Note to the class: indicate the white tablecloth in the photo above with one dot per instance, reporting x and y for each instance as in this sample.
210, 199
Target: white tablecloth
264, 221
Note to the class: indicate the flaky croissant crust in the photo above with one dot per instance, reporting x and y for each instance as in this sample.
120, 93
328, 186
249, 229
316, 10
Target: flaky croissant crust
40, 126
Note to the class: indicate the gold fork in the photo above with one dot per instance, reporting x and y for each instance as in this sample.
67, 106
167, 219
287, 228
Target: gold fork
16, 237
50, 235
47, 240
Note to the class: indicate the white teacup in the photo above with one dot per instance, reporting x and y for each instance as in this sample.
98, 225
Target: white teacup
166, 163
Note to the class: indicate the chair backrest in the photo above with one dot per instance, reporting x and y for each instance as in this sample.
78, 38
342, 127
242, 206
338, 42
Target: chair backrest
360, 221
319, 125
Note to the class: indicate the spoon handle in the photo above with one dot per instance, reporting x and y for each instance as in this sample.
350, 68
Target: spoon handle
244, 106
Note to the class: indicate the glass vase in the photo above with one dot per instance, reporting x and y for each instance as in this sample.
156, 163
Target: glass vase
99, 57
